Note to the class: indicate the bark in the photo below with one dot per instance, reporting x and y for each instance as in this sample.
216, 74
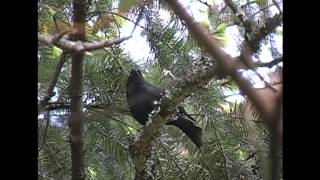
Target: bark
68, 45
76, 106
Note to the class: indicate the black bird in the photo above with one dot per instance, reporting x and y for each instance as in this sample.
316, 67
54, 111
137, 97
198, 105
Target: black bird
141, 98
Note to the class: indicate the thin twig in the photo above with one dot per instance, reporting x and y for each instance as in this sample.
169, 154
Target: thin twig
98, 45
79, 46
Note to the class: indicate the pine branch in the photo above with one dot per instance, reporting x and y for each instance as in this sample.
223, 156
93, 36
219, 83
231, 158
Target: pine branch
78, 46
223, 154
173, 159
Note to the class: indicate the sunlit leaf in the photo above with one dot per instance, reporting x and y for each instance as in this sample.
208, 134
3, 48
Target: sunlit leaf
221, 28
91, 172
279, 31
222, 39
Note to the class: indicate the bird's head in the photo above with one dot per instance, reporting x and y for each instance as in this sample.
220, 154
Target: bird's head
135, 76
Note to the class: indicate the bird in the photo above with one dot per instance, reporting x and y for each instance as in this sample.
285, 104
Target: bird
141, 97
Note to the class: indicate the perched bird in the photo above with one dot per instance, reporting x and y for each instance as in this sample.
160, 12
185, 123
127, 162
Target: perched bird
142, 98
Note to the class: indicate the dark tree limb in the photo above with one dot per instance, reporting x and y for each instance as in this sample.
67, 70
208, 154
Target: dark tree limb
50, 93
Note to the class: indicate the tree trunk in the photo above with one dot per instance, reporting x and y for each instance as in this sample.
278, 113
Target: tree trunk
76, 106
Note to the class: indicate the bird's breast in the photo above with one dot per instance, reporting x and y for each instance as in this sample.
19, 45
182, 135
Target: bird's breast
140, 105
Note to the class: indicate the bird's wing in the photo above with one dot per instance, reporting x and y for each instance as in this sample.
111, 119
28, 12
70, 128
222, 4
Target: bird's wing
152, 91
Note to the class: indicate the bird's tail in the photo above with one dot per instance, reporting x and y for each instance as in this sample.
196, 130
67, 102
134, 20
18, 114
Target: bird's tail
187, 127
